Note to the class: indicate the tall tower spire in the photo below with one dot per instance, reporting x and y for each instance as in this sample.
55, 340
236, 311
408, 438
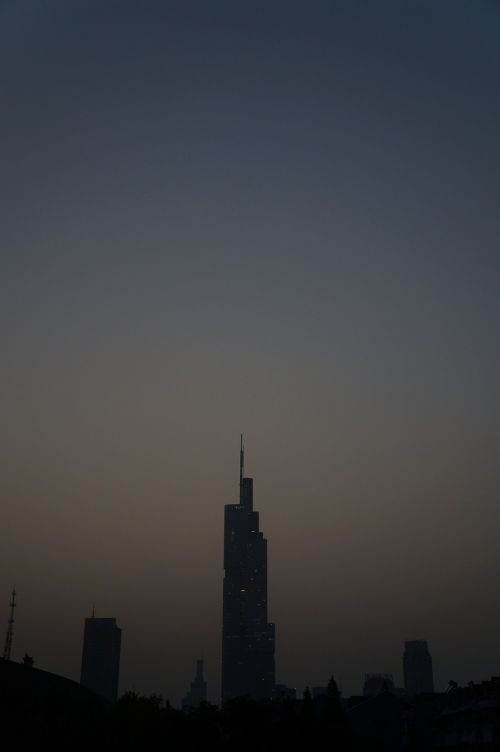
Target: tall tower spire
10, 628
242, 462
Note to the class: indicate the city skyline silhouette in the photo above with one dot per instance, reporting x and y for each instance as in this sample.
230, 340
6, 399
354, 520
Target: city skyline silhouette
271, 217
248, 663
248, 669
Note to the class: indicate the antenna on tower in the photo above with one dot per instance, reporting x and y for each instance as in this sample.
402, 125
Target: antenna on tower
10, 628
242, 461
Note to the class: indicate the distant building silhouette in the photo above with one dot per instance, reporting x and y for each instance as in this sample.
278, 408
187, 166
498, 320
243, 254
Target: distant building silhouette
247, 636
417, 666
282, 692
377, 683
101, 657
197, 693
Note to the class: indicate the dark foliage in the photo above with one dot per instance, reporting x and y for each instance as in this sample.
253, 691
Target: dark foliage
137, 722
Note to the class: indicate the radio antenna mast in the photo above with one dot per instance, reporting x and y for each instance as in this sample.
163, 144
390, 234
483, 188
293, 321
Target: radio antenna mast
10, 628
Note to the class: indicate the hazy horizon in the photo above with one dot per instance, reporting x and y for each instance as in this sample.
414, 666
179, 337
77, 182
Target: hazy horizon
274, 218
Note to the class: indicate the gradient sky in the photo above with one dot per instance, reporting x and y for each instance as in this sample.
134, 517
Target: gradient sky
280, 218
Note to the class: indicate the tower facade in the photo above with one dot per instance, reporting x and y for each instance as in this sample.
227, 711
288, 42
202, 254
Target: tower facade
101, 657
417, 667
247, 636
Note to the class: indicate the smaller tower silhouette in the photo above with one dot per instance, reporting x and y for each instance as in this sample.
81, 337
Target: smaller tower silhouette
101, 656
377, 684
417, 665
197, 694
10, 627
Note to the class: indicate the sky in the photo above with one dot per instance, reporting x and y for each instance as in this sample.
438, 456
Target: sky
276, 218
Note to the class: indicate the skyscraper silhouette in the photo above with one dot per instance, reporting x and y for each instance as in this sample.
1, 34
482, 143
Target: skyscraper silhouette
247, 637
101, 657
417, 666
197, 693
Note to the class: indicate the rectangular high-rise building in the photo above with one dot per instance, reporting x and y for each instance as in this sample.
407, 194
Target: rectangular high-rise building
247, 636
417, 666
101, 657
